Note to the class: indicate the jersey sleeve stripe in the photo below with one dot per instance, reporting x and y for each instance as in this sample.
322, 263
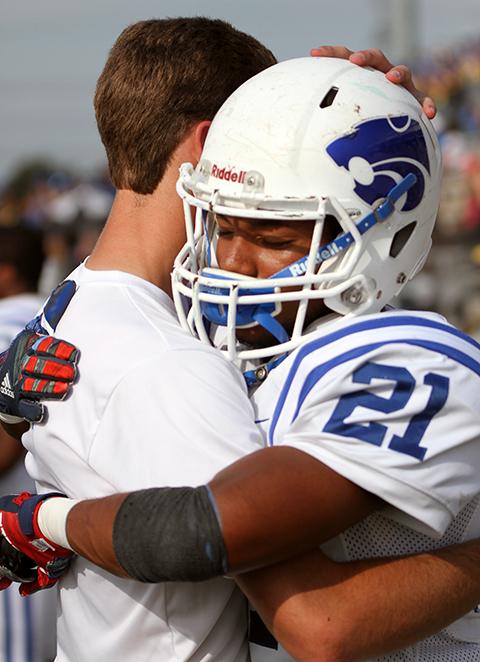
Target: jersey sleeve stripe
382, 322
318, 372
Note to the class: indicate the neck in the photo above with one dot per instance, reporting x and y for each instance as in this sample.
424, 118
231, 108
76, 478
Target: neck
143, 234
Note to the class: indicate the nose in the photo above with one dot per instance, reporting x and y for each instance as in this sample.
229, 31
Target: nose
238, 255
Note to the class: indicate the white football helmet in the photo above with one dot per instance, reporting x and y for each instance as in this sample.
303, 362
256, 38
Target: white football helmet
306, 139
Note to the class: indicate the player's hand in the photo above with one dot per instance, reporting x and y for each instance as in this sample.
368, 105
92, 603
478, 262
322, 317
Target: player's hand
35, 367
26, 556
375, 58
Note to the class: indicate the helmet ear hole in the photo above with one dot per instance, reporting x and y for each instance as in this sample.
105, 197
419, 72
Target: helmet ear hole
401, 238
329, 98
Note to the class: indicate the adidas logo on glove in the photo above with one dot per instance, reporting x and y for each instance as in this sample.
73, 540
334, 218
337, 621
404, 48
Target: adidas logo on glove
6, 387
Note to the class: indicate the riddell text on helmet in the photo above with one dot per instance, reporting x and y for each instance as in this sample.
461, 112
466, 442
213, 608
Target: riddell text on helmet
228, 174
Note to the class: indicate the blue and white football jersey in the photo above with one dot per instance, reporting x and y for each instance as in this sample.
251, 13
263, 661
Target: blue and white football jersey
391, 402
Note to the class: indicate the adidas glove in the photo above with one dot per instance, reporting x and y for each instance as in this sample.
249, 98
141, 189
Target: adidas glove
26, 556
35, 367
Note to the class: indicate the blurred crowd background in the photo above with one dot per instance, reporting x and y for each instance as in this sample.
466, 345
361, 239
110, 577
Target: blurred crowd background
450, 282
69, 210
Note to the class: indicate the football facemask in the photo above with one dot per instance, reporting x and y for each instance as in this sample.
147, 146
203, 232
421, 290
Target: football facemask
308, 139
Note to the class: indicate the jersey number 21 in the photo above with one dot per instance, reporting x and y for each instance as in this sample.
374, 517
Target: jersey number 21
404, 386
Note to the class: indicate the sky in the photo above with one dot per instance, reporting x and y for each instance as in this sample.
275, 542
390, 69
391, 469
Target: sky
52, 51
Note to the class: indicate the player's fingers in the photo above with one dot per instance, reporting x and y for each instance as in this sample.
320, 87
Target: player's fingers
61, 349
28, 589
43, 368
31, 588
57, 567
31, 411
331, 51
43, 581
372, 57
429, 107
43, 388
402, 75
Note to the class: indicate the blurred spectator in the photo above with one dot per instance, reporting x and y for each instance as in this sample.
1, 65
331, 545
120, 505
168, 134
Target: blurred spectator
69, 211
471, 218
451, 278
21, 261
452, 77
27, 625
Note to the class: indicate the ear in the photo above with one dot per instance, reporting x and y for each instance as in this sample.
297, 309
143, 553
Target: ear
199, 137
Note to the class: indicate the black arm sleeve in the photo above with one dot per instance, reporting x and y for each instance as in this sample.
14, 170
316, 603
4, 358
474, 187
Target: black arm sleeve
169, 534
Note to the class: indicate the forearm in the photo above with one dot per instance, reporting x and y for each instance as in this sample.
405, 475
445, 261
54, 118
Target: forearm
14, 430
279, 502
154, 535
11, 451
264, 508
357, 610
89, 530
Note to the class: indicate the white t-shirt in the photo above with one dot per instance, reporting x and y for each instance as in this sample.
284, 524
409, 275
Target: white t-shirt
27, 625
391, 402
153, 407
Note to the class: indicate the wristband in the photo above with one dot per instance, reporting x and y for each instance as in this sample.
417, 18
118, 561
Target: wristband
52, 519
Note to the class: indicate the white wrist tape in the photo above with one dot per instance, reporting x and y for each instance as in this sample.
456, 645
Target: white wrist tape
52, 519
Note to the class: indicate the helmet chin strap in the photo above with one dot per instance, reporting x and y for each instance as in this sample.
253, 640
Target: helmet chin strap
272, 325
259, 374
278, 331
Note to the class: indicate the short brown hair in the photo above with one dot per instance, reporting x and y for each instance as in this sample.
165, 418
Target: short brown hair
162, 76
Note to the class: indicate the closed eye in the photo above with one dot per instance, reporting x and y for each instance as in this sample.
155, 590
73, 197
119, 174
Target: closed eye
225, 232
274, 242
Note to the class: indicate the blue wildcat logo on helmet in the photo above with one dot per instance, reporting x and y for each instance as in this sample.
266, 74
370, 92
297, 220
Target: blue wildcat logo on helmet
379, 153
